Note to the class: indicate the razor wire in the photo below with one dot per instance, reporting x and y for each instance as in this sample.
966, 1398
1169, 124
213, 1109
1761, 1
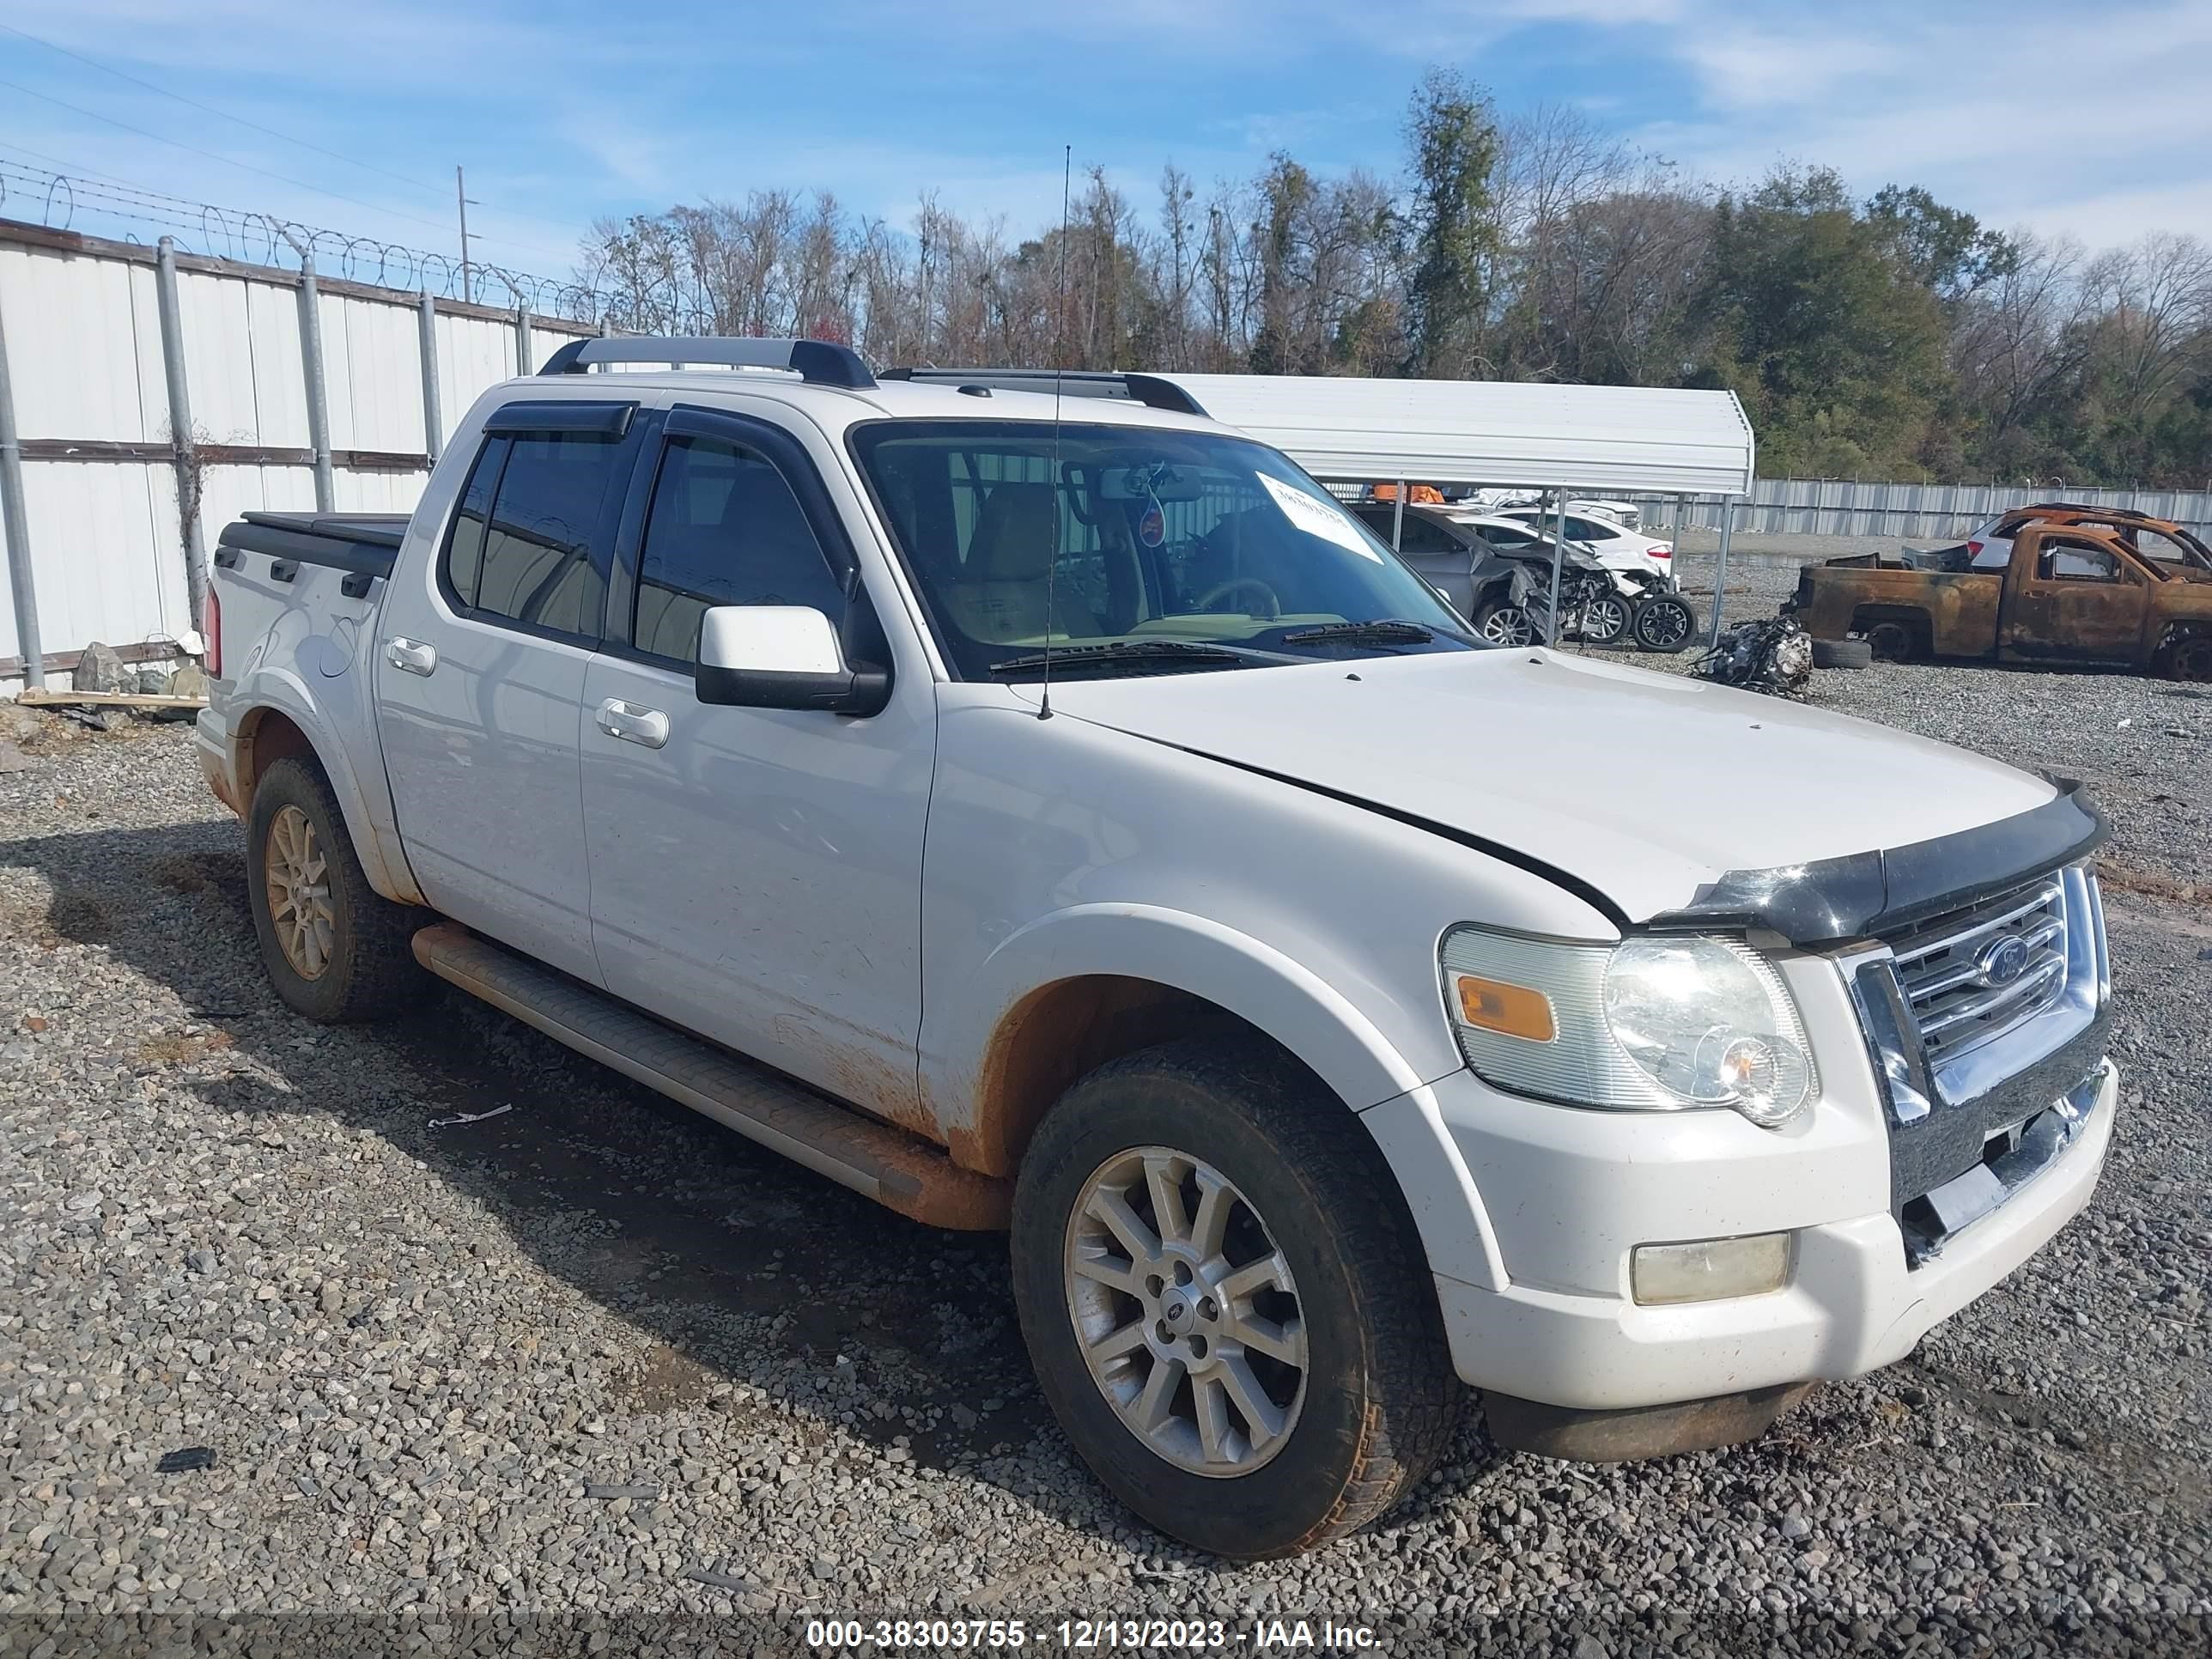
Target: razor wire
58, 200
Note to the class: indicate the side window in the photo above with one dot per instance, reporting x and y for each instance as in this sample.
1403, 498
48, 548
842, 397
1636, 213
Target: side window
1424, 536
2078, 561
524, 541
464, 562
724, 529
2157, 545
1592, 530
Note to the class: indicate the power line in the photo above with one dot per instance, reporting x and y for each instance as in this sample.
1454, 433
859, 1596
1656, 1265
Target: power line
289, 138
209, 109
247, 167
193, 149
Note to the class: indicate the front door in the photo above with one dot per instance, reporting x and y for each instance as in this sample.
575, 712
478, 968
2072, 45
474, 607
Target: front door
480, 682
2078, 598
756, 873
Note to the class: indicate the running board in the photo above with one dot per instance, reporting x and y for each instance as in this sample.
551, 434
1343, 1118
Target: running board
898, 1169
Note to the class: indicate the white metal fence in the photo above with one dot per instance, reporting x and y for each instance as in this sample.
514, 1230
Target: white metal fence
339, 404
1844, 506
91, 365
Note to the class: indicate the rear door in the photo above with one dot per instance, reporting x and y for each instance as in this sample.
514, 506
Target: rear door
480, 677
2072, 595
755, 872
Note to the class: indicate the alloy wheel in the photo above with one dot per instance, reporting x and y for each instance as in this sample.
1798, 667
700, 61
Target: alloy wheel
296, 874
1507, 624
1186, 1311
1605, 619
1664, 626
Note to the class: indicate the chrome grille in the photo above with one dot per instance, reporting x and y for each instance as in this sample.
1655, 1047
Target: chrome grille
1974, 974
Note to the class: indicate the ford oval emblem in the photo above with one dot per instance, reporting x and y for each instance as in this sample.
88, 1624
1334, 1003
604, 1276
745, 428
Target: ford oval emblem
2003, 961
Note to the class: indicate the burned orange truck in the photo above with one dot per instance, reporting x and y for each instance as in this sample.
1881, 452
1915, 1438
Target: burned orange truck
2082, 585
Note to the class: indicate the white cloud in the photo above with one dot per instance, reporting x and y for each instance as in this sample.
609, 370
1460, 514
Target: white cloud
2019, 116
2038, 112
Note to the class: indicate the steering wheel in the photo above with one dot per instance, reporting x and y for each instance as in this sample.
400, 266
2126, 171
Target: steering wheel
1214, 595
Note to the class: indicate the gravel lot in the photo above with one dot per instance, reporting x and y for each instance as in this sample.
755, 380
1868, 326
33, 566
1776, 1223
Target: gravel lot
594, 1357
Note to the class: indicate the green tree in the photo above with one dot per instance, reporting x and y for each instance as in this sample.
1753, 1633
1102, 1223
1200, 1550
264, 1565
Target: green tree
1947, 251
1286, 196
1836, 346
1452, 134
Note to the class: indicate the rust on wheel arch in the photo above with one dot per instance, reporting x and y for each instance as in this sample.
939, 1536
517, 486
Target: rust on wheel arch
1051, 1037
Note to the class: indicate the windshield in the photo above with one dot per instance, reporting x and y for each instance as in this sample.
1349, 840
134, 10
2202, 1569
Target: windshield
1164, 538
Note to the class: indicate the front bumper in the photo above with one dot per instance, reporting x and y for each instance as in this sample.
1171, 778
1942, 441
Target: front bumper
1568, 1194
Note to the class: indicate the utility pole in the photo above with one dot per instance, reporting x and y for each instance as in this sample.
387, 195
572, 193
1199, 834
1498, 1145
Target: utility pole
461, 199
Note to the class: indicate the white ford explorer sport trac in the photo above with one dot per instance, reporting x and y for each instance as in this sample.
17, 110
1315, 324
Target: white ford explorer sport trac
1062, 815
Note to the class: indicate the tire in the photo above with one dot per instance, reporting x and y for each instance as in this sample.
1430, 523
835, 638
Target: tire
357, 965
1842, 654
1373, 1405
1663, 624
1605, 620
1505, 623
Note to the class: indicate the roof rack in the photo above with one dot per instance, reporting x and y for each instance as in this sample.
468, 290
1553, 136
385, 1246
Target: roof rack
818, 362
1151, 390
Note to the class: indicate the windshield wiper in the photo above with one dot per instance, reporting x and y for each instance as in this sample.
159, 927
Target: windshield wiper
1382, 631
1119, 651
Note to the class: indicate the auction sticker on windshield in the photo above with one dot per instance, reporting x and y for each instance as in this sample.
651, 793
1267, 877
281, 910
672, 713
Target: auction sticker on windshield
1318, 518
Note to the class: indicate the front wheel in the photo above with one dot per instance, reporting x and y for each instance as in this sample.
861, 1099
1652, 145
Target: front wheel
1505, 624
1225, 1301
1663, 624
2188, 658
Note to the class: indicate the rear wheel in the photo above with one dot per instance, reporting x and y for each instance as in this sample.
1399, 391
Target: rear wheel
1505, 624
1892, 642
334, 948
1663, 623
1225, 1301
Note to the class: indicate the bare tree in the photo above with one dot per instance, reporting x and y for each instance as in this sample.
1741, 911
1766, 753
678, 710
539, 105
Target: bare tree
2021, 338
2154, 298
1537, 247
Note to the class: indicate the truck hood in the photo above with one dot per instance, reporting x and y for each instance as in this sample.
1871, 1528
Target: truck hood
1647, 788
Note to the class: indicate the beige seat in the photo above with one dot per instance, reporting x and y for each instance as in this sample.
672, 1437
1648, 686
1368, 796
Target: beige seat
999, 592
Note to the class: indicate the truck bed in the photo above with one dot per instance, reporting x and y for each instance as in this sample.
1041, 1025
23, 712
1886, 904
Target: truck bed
362, 543
1948, 560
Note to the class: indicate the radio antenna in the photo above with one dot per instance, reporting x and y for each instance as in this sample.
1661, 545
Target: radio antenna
1059, 369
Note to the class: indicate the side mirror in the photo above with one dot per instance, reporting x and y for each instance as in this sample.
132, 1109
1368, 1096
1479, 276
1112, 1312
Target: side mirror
782, 656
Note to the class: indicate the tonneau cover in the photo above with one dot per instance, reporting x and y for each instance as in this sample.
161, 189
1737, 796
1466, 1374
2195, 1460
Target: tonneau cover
380, 529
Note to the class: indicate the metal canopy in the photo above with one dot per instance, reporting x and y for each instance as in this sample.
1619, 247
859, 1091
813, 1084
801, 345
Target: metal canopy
1598, 440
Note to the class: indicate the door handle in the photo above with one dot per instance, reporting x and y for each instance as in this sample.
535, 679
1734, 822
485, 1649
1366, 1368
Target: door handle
633, 723
411, 656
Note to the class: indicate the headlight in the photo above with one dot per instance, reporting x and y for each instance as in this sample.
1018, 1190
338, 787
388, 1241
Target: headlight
1652, 1024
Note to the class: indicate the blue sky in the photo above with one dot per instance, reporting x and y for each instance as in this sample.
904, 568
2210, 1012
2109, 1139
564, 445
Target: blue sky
563, 112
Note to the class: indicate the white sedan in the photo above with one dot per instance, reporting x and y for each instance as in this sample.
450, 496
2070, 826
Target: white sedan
1627, 514
1618, 549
